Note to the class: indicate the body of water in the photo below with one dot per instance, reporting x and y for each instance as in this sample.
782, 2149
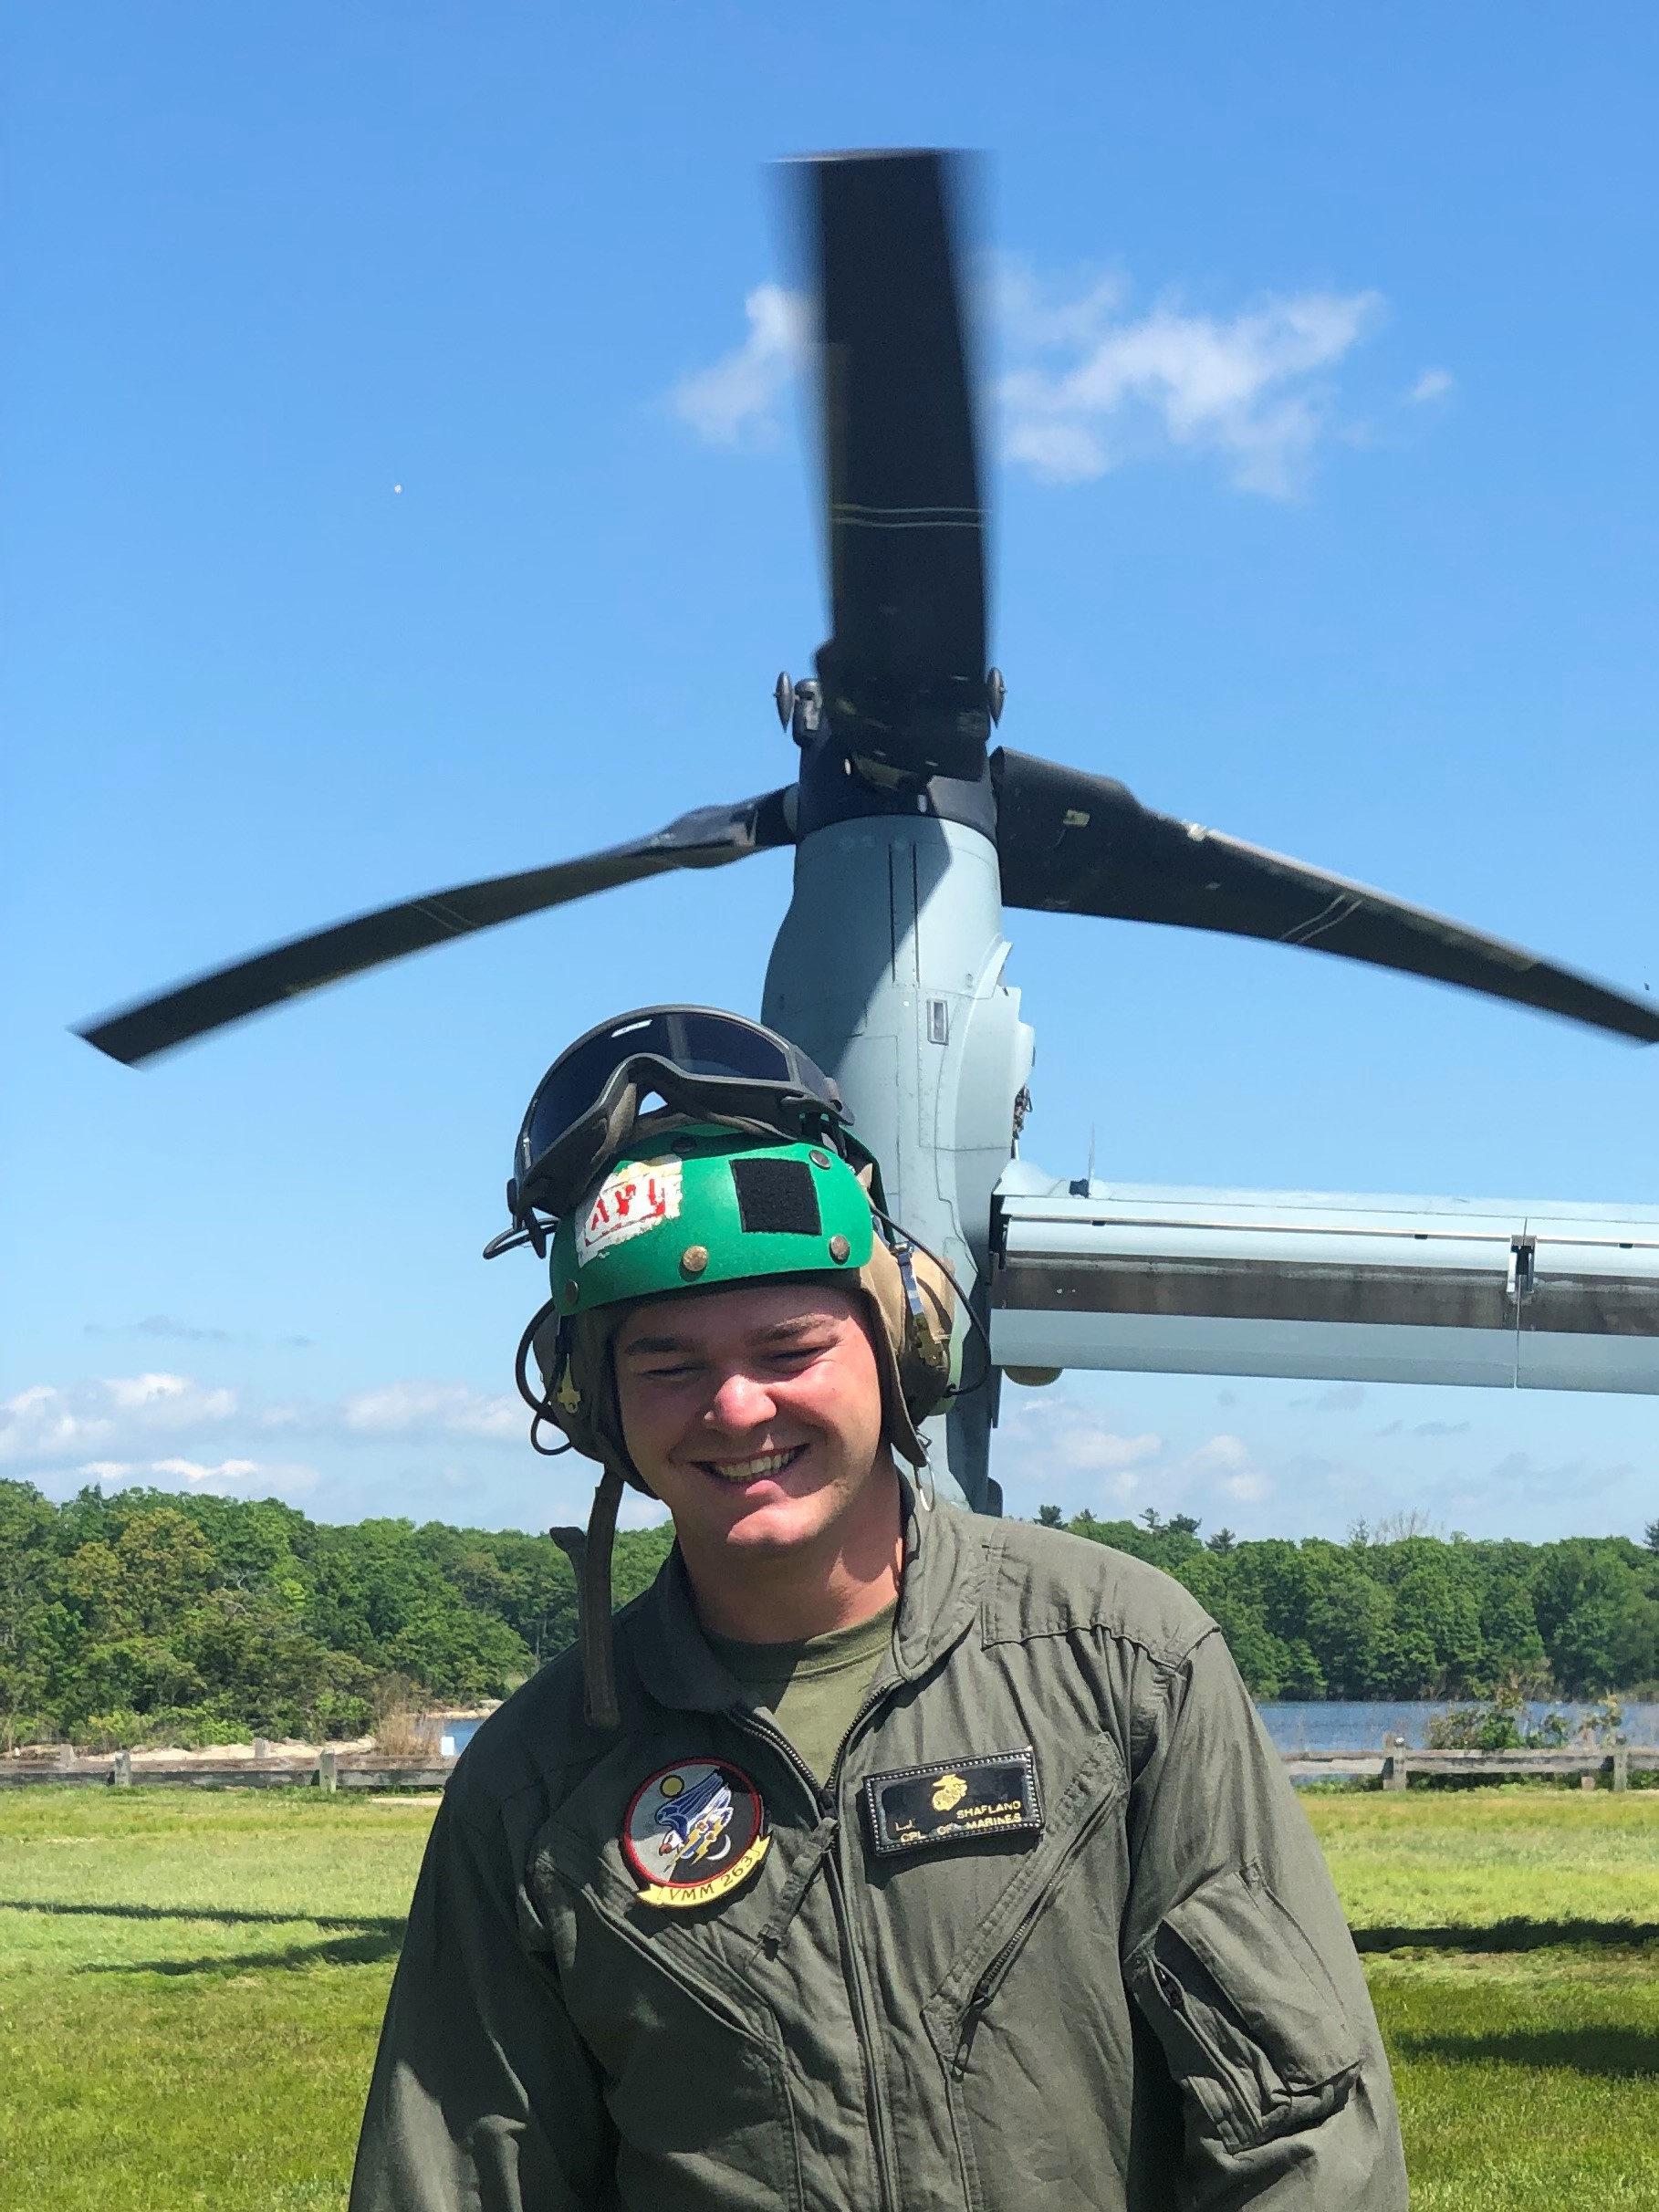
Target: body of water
1329, 1725
1321, 1724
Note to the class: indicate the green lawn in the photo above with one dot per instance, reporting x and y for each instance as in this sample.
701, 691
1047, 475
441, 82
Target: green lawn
1503, 1938
191, 1985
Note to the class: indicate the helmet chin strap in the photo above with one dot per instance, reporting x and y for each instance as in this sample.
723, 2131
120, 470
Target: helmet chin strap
589, 1552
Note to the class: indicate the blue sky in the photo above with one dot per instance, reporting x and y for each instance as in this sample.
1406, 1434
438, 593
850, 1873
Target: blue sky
1325, 493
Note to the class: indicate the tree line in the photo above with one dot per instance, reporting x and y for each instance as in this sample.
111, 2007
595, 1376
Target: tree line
151, 1616
1397, 1613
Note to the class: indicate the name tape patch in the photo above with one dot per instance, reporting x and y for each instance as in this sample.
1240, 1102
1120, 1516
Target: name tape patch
952, 1802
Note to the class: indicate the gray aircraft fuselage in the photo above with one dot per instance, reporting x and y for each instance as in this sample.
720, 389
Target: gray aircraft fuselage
888, 969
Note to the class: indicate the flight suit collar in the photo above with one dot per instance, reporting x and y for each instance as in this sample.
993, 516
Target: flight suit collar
946, 1559
945, 1562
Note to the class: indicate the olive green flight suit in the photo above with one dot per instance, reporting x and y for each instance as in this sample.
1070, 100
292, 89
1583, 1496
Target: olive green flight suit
1132, 1989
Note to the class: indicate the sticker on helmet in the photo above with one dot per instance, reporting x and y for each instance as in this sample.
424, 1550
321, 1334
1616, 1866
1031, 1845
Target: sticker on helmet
636, 1196
693, 1832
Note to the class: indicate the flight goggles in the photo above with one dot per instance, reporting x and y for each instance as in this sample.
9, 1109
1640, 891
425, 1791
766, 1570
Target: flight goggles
696, 1060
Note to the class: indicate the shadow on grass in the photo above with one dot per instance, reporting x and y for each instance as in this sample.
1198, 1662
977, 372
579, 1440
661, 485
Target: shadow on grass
371, 1949
357, 1939
1623, 2052
1517, 1934
227, 1916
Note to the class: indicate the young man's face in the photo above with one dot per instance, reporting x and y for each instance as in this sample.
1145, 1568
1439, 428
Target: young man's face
755, 1413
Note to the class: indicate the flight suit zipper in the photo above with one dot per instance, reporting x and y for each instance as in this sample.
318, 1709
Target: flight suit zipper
858, 1988
1090, 1807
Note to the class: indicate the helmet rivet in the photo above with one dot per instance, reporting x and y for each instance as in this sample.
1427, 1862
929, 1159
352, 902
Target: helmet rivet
818, 1159
839, 1250
573, 1291
693, 1260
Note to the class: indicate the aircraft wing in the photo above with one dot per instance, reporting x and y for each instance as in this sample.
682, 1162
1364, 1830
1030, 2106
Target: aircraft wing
1329, 1286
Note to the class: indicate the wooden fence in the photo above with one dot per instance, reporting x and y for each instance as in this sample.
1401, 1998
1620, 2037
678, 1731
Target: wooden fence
326, 1772
1396, 1762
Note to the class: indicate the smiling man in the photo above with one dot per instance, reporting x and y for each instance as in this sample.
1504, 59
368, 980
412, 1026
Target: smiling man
891, 1857
756, 1418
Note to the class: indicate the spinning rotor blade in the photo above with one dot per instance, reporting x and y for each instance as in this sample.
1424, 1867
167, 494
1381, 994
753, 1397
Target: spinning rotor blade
904, 674
706, 837
1071, 844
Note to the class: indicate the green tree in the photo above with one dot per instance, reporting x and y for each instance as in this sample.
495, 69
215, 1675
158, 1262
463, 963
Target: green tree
143, 1612
1509, 1625
1351, 1620
30, 1585
1436, 1643
1600, 1625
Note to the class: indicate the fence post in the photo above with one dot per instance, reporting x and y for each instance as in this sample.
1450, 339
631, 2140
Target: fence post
1393, 1762
328, 1770
262, 1747
121, 1770
1620, 1766
66, 1754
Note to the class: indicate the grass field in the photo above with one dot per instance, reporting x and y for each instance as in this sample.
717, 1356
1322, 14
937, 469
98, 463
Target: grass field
1511, 1940
191, 1986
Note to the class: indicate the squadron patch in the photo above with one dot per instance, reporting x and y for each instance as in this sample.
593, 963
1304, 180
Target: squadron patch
693, 1832
636, 1196
953, 1803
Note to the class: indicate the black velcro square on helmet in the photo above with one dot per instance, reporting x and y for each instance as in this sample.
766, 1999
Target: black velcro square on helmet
776, 1197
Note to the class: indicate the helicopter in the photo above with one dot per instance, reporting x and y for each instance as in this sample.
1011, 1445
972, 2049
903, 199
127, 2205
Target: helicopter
914, 831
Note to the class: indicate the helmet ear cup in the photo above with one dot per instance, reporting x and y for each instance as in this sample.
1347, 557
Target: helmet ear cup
913, 1304
573, 1354
924, 1360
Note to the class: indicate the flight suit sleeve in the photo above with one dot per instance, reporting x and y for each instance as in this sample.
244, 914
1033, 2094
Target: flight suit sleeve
484, 2098
1237, 1956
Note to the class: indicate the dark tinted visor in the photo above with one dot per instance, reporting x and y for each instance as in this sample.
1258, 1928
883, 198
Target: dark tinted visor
708, 1044
712, 1046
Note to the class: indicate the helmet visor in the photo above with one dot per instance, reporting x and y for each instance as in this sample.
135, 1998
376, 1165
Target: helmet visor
692, 1057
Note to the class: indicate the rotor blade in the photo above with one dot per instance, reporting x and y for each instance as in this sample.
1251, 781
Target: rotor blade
1070, 844
706, 837
904, 673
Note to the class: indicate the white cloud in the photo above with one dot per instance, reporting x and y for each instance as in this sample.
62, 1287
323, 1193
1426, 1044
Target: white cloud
435, 1409
1099, 1451
193, 1470
1049, 1444
284, 1477
47, 1424
1094, 385
1433, 384
1220, 1455
1226, 1464
139, 1428
1099, 386
737, 400
1058, 1450
1246, 1489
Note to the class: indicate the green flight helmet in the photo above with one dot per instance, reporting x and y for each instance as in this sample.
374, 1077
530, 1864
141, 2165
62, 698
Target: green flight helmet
704, 1207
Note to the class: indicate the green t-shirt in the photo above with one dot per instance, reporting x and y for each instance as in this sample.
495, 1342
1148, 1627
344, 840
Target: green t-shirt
813, 1688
